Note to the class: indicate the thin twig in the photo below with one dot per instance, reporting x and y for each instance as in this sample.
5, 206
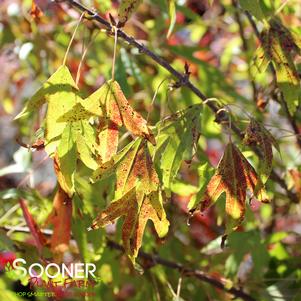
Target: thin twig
72, 38
114, 53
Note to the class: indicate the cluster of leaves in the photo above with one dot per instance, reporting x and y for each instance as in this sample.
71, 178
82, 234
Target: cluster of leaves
110, 163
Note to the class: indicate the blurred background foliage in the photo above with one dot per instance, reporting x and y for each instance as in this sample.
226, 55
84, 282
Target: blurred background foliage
263, 257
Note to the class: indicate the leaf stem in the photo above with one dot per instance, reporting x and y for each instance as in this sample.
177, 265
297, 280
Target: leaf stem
72, 38
115, 29
78, 74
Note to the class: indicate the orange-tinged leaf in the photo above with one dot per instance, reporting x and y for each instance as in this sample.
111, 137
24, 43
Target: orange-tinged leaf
60, 218
257, 135
138, 196
108, 135
35, 11
137, 166
137, 208
132, 120
38, 236
296, 177
108, 140
117, 112
234, 175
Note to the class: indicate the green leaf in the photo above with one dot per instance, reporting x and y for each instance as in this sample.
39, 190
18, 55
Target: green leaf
59, 86
241, 244
177, 138
205, 172
67, 157
172, 15
253, 7
77, 113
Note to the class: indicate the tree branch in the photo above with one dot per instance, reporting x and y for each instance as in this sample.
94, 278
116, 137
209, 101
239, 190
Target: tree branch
222, 117
155, 259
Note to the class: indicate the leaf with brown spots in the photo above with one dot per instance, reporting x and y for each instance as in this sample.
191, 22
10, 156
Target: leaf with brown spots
234, 175
116, 112
137, 208
126, 9
60, 218
138, 197
108, 134
257, 135
131, 119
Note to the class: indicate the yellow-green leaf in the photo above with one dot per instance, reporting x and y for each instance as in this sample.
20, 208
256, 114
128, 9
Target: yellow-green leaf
253, 6
137, 208
60, 85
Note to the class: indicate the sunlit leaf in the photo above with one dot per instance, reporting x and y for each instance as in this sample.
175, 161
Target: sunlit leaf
58, 88
278, 46
137, 208
66, 160
138, 198
234, 175
132, 120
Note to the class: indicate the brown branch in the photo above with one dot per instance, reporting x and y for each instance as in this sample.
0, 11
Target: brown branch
222, 116
155, 259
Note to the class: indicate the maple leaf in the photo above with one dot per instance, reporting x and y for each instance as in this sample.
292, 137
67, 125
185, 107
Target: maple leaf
61, 95
177, 138
60, 218
234, 175
137, 208
257, 134
116, 111
131, 119
137, 196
